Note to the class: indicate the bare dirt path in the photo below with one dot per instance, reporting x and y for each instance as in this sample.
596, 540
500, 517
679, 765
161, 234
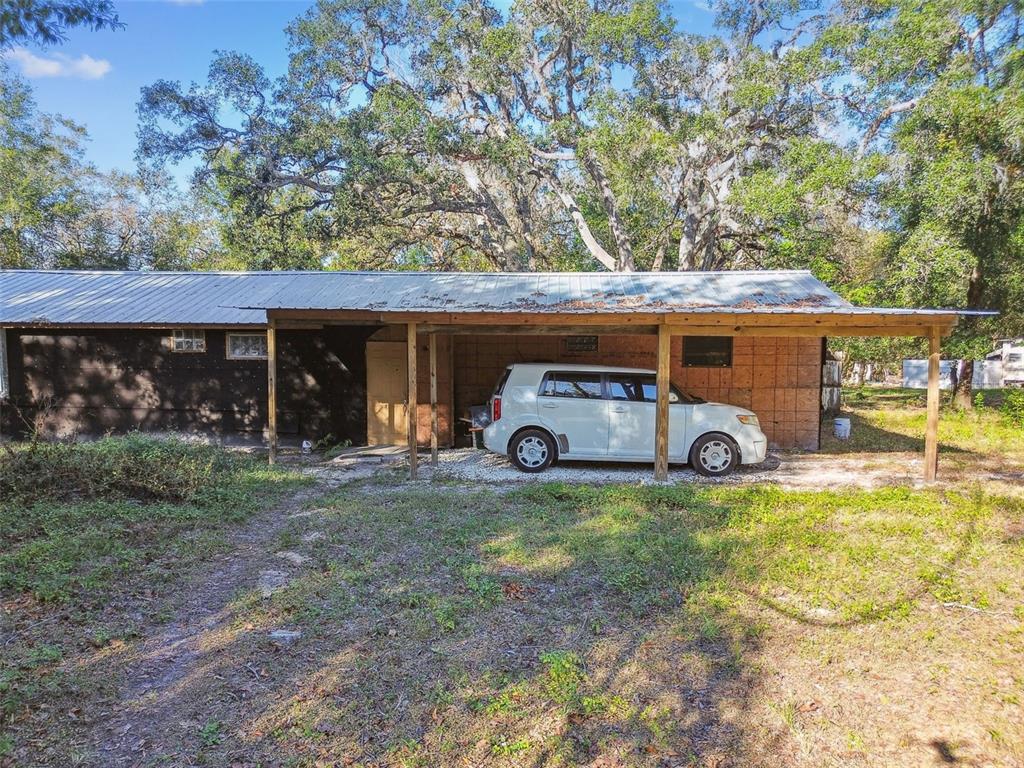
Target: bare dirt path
154, 714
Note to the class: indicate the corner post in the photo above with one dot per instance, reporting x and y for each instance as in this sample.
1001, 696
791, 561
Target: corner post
411, 403
272, 390
433, 399
661, 409
931, 434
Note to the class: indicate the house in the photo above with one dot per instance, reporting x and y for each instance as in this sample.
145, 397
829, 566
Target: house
400, 357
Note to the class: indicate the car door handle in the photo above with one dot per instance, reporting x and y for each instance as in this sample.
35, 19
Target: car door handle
549, 405
620, 409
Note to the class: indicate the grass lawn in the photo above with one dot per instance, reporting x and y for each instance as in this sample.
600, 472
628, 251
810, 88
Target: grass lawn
984, 439
93, 541
437, 624
633, 626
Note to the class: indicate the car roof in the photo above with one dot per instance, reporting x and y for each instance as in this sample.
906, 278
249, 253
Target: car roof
580, 367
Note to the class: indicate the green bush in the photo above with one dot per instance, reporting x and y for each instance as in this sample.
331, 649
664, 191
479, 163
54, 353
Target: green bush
134, 467
1013, 407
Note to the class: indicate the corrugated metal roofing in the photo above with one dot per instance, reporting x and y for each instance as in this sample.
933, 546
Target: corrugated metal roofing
242, 298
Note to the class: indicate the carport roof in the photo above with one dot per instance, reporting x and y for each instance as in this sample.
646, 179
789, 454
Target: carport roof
161, 299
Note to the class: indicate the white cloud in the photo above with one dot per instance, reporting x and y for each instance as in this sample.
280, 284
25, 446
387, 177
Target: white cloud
85, 67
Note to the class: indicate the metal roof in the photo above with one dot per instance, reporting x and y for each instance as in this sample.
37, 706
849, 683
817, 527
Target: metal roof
242, 298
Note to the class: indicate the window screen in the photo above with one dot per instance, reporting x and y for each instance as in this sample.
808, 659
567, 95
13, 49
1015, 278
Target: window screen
247, 346
707, 351
582, 385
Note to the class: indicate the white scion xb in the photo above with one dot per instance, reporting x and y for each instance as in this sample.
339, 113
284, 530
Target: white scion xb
541, 412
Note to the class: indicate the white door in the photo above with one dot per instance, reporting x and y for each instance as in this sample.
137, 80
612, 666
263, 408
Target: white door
631, 417
571, 404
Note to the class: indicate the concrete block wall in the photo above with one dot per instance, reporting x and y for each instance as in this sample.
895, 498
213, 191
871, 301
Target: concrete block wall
777, 378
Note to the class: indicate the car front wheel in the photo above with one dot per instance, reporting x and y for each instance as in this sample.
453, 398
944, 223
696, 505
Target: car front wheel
714, 455
532, 450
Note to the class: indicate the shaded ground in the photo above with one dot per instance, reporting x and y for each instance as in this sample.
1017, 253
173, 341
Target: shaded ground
370, 621
556, 625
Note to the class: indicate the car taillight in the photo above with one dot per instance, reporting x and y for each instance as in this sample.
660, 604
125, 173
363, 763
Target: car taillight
495, 408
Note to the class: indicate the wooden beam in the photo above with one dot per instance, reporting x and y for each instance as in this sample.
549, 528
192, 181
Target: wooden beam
828, 323
816, 331
411, 403
272, 390
540, 330
931, 434
433, 399
661, 408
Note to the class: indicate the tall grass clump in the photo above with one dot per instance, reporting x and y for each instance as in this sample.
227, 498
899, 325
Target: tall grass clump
136, 467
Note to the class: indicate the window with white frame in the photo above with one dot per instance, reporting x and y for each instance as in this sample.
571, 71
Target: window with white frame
188, 340
247, 346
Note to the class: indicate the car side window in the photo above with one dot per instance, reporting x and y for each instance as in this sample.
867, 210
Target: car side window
582, 385
623, 388
649, 388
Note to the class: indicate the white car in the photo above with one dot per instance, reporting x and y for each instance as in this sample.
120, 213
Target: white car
541, 412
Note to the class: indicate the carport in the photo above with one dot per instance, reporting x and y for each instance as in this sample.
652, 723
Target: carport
662, 305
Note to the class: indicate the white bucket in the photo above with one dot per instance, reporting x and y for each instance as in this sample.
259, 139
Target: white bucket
841, 428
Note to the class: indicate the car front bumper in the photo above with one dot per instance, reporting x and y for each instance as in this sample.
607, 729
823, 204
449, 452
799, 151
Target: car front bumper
753, 445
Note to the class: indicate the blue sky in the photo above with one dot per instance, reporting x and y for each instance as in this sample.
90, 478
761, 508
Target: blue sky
95, 77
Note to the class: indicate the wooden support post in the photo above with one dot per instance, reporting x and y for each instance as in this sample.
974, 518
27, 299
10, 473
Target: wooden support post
433, 399
272, 390
411, 403
661, 409
931, 434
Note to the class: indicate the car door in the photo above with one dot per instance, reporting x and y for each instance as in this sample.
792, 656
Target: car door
631, 418
571, 404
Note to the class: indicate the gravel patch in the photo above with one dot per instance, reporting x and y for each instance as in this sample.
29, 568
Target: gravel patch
792, 470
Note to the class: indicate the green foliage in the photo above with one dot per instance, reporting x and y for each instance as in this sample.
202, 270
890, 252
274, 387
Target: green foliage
563, 671
47, 21
1013, 407
137, 467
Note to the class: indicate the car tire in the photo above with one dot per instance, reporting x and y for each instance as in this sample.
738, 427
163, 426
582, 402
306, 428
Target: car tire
714, 455
532, 450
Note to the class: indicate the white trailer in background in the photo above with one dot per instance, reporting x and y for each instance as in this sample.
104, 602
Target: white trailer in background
1009, 355
1003, 367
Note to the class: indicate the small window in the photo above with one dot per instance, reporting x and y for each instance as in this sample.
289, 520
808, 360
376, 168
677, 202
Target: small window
582, 385
578, 344
707, 352
187, 340
247, 346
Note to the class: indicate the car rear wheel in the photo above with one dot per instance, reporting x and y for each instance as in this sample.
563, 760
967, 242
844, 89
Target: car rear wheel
532, 450
714, 455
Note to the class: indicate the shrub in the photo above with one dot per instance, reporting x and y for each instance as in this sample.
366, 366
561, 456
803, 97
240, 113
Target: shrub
134, 467
1013, 407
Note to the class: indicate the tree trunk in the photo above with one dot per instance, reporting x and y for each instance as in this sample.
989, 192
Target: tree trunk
688, 244
623, 243
962, 397
963, 394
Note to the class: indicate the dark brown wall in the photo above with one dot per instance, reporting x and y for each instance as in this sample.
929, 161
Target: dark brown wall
92, 381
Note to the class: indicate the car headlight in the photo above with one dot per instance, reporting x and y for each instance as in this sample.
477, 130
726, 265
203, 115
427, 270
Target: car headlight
750, 420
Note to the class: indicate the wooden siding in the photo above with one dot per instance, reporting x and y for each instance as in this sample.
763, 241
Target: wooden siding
91, 381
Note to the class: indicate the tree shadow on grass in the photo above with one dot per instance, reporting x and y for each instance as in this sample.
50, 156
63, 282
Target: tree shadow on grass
866, 437
447, 626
